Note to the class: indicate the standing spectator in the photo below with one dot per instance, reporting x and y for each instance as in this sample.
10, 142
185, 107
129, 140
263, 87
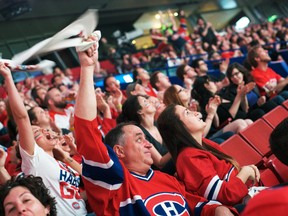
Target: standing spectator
206, 31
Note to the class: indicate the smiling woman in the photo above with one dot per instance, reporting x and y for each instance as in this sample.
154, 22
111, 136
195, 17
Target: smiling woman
25, 195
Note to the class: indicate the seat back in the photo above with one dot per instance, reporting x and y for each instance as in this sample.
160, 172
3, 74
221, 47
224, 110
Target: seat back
268, 178
239, 149
275, 116
285, 104
257, 135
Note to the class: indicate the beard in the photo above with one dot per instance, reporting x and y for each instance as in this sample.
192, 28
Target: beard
60, 104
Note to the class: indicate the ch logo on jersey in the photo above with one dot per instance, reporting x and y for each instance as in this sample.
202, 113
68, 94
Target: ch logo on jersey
167, 204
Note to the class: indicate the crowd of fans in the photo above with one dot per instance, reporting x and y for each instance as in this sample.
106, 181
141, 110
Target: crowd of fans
56, 130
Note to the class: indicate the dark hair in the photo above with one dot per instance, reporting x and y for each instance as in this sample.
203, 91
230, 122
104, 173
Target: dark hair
32, 115
246, 74
154, 79
37, 188
195, 63
176, 136
105, 80
181, 72
200, 92
252, 54
116, 135
171, 96
279, 141
130, 110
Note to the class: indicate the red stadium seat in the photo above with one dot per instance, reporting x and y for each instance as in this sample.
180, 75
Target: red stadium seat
268, 178
108, 66
280, 170
285, 104
257, 135
239, 149
275, 116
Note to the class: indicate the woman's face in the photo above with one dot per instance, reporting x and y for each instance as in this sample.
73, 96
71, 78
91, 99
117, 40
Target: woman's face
192, 120
20, 201
183, 94
42, 117
45, 138
147, 106
236, 76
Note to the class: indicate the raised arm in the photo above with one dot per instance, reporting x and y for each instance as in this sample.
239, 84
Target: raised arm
19, 111
86, 106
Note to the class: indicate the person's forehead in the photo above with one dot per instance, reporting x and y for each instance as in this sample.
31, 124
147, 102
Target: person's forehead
132, 130
111, 80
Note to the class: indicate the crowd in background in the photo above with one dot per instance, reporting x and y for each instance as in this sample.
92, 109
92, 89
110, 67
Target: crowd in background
183, 124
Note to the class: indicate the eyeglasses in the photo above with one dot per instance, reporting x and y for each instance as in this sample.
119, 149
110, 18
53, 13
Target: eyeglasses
235, 74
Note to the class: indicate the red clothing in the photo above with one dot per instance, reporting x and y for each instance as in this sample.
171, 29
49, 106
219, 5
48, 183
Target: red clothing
205, 175
150, 91
113, 190
265, 79
272, 201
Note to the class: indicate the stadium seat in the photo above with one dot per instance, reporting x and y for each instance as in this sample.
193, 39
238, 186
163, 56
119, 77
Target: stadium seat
284, 54
280, 67
285, 104
268, 178
239, 149
239, 59
108, 66
280, 170
257, 135
275, 116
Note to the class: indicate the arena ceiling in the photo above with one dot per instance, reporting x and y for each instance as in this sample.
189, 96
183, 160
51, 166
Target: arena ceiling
50, 16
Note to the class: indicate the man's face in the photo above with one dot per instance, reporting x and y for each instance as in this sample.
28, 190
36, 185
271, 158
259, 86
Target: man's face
263, 55
136, 149
57, 98
203, 68
163, 82
190, 72
143, 74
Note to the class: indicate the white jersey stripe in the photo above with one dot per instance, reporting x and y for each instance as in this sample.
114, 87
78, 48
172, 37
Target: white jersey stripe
97, 164
103, 184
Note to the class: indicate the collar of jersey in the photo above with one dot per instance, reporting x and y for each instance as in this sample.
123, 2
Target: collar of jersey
147, 177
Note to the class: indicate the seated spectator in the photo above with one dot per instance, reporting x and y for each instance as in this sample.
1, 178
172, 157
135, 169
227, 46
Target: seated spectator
140, 110
160, 82
58, 108
187, 74
201, 164
135, 89
143, 75
269, 82
25, 195
204, 89
175, 94
238, 75
201, 69
38, 93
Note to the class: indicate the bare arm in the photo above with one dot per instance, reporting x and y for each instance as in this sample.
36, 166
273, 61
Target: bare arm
4, 175
159, 160
86, 106
19, 112
282, 83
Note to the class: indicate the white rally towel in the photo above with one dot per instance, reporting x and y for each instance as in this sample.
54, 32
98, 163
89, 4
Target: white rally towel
71, 36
